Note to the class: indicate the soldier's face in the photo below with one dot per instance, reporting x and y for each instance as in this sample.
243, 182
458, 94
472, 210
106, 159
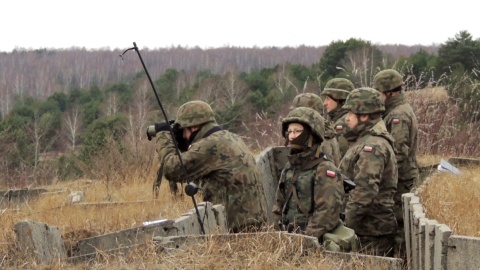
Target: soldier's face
383, 96
187, 132
330, 104
352, 119
294, 130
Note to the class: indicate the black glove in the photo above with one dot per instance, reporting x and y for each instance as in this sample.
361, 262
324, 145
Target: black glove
178, 133
154, 129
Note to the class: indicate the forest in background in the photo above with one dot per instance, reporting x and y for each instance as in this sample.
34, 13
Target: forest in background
64, 111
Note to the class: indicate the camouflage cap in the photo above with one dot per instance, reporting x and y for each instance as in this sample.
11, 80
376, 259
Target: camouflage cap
338, 88
309, 100
364, 100
194, 113
307, 116
387, 80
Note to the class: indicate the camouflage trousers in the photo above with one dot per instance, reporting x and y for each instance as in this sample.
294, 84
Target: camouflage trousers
404, 186
400, 245
382, 245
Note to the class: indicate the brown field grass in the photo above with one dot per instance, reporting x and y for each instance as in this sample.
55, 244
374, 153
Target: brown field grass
454, 199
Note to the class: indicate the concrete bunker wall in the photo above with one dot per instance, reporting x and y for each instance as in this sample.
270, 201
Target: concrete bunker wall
431, 245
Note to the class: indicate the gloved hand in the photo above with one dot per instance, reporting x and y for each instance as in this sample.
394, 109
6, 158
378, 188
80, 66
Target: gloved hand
152, 130
178, 133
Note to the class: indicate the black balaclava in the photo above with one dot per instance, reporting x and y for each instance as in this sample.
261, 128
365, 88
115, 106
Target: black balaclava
302, 142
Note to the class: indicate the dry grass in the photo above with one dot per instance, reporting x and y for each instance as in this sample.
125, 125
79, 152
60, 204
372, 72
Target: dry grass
136, 204
453, 200
252, 252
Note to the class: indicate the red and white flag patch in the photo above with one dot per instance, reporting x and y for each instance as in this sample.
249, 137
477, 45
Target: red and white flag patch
339, 127
367, 149
331, 173
396, 121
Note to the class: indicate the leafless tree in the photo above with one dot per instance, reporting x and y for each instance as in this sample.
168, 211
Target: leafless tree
234, 90
72, 122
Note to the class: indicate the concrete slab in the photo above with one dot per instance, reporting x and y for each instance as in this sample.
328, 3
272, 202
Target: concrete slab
421, 242
461, 161
417, 212
41, 241
463, 252
219, 212
442, 233
429, 243
271, 162
16, 197
406, 198
208, 217
124, 238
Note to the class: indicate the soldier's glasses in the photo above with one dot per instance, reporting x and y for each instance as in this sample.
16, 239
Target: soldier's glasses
294, 132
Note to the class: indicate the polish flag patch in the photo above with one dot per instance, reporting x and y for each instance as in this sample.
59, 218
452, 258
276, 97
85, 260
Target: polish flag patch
339, 127
367, 149
331, 173
396, 121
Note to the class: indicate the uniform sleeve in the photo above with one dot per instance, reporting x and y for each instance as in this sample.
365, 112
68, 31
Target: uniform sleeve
328, 191
368, 171
279, 197
197, 160
399, 128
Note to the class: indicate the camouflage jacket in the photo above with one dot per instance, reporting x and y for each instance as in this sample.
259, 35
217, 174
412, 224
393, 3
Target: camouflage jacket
319, 190
330, 145
370, 163
402, 123
226, 169
340, 126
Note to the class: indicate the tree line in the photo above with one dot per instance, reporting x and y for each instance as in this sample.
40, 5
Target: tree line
62, 123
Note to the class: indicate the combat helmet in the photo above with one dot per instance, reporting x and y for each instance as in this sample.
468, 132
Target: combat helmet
338, 88
307, 116
194, 113
308, 100
387, 80
364, 100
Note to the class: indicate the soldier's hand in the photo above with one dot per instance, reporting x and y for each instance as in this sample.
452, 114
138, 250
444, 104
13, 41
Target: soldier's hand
152, 130
178, 134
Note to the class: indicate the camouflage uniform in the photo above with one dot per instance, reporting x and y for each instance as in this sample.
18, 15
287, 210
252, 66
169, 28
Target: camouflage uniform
370, 163
221, 162
338, 89
330, 146
309, 194
402, 123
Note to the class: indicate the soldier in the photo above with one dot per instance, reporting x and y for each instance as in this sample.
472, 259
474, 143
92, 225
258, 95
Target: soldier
220, 161
309, 194
370, 163
334, 94
330, 145
402, 123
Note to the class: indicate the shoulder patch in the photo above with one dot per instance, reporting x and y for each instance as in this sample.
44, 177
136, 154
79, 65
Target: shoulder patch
396, 121
367, 149
331, 173
339, 127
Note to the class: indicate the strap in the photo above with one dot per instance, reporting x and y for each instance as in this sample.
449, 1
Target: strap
297, 201
212, 130
292, 194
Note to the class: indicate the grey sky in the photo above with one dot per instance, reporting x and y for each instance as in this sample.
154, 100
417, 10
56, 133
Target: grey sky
94, 24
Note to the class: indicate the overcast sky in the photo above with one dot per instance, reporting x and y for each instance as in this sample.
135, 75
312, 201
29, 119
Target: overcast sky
95, 24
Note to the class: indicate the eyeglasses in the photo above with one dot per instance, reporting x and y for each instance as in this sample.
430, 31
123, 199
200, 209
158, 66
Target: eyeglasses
294, 132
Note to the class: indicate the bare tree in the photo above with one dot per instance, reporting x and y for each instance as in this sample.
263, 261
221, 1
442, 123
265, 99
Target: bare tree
234, 90
73, 124
113, 104
137, 114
